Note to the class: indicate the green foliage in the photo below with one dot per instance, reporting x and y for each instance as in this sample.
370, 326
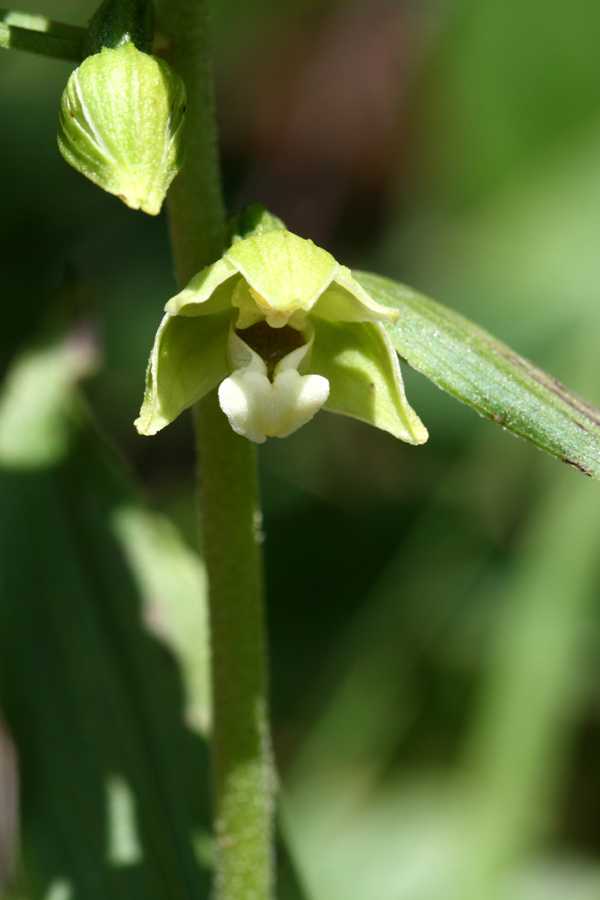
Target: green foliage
484, 373
433, 611
103, 672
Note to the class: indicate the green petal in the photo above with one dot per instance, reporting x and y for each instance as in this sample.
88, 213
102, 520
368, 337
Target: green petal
188, 360
345, 300
364, 376
121, 124
208, 292
287, 271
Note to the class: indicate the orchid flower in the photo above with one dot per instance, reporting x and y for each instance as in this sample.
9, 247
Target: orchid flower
283, 330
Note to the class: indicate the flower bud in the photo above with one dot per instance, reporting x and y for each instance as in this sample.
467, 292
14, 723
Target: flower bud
121, 124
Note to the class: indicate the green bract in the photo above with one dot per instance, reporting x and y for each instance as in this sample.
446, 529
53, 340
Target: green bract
121, 124
284, 330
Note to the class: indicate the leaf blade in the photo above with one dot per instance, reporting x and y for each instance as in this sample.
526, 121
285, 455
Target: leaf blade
100, 702
474, 367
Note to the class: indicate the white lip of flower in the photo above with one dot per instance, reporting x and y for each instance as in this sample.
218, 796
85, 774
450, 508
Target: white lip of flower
269, 384
258, 407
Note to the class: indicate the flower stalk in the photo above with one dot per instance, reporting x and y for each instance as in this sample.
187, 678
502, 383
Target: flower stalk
42, 36
243, 774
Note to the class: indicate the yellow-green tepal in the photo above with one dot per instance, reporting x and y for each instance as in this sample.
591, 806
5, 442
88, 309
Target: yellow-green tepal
283, 330
121, 124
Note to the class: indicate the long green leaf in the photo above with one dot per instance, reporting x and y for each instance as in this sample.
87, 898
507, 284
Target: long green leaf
104, 714
476, 368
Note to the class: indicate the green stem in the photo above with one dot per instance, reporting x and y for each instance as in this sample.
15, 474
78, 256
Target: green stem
243, 780
196, 209
37, 34
117, 21
243, 768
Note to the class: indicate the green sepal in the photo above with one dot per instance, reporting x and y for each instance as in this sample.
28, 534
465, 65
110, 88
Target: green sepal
187, 361
364, 376
287, 271
270, 277
121, 124
346, 301
342, 300
208, 292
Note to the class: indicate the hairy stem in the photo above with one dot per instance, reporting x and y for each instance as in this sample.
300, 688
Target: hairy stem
242, 765
196, 209
243, 770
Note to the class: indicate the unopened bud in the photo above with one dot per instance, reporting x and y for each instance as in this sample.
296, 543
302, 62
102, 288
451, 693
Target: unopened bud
121, 124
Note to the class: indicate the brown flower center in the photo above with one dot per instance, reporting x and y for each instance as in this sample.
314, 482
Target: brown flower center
271, 344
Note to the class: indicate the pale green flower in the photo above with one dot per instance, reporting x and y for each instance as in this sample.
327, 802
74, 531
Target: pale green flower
284, 331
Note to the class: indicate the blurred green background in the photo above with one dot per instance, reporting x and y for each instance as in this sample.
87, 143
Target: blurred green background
432, 611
